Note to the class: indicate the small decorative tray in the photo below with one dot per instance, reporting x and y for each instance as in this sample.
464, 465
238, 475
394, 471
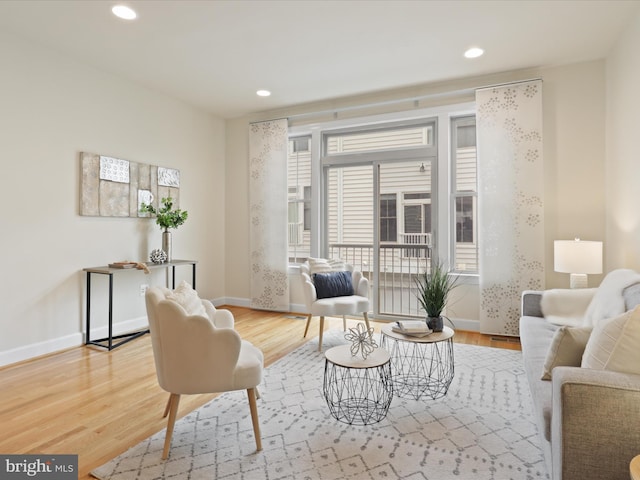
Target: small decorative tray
123, 265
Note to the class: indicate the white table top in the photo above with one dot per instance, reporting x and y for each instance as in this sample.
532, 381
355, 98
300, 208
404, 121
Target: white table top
434, 337
341, 355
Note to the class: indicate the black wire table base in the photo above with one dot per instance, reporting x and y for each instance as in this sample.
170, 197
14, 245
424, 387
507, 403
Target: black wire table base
358, 396
420, 369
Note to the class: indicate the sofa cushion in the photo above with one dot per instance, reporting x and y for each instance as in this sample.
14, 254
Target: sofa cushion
535, 336
185, 296
614, 344
566, 349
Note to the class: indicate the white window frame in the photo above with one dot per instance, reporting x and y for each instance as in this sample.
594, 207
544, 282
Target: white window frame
443, 229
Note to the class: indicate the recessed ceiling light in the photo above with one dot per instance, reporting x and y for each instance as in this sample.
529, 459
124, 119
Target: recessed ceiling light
473, 52
263, 93
124, 12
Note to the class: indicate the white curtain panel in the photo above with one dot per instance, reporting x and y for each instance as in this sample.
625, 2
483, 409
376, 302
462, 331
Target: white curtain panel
268, 215
510, 201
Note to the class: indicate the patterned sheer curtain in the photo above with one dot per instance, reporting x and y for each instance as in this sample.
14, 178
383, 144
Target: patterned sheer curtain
510, 201
268, 214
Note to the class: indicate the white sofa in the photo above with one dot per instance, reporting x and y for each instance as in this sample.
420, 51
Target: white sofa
588, 419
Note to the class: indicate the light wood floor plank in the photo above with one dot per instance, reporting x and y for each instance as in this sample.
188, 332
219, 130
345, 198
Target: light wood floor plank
98, 404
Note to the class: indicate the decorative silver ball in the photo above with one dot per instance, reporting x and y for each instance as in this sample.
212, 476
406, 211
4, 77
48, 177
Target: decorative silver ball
158, 256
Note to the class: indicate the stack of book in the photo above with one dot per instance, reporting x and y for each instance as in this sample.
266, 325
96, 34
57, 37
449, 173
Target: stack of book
413, 328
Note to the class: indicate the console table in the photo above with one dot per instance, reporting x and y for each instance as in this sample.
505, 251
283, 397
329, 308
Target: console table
108, 342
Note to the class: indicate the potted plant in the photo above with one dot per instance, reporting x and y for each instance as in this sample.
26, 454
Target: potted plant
167, 217
434, 287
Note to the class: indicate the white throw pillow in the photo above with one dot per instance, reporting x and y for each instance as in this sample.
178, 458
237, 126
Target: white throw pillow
188, 298
323, 265
615, 344
608, 300
566, 349
566, 307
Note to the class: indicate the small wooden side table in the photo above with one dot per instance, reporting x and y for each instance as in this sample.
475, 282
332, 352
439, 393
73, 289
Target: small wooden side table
634, 468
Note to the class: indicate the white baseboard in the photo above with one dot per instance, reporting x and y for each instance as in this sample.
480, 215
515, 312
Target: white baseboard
231, 301
28, 352
131, 325
34, 350
468, 325
460, 323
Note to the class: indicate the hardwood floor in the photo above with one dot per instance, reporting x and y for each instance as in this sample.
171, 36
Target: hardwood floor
97, 404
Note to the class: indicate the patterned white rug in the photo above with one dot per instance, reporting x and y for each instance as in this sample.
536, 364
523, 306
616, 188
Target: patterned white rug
482, 429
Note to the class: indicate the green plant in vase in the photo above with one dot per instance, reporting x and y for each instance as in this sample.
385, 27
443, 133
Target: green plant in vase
166, 217
434, 287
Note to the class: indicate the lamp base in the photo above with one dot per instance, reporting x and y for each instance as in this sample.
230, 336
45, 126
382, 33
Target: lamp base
578, 280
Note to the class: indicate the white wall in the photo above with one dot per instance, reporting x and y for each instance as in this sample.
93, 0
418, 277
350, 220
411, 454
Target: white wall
574, 153
52, 108
622, 244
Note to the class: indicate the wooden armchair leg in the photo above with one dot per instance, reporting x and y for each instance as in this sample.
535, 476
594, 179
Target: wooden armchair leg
306, 328
366, 319
166, 409
251, 393
321, 332
344, 323
174, 401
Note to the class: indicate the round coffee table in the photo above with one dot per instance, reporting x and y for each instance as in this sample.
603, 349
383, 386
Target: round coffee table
357, 391
420, 365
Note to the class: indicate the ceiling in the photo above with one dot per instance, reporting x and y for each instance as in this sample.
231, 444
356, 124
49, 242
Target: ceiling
215, 54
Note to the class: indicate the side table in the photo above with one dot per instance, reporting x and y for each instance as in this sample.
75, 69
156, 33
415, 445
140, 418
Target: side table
357, 391
634, 468
420, 365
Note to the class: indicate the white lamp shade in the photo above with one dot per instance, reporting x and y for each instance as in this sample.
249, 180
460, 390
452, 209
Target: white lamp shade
577, 256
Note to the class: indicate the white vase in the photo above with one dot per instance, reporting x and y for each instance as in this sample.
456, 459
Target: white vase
166, 245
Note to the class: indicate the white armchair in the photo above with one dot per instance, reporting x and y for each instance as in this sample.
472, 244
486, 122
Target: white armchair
196, 350
358, 302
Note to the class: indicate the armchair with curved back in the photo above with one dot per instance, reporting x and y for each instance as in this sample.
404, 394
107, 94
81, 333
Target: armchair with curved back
199, 352
342, 305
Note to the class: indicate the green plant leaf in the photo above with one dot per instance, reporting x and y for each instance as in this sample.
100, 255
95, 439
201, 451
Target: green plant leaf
434, 287
166, 216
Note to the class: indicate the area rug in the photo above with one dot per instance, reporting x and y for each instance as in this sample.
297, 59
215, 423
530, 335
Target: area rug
482, 429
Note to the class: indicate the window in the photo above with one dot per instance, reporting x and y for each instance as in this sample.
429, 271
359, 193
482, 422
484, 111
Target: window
299, 197
307, 209
385, 194
464, 219
388, 218
465, 181
417, 223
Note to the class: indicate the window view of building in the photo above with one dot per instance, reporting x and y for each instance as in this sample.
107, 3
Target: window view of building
378, 204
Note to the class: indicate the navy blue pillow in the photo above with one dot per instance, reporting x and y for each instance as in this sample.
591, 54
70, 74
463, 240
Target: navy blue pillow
333, 284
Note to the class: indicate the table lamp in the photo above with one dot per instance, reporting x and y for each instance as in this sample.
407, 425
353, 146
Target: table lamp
577, 257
